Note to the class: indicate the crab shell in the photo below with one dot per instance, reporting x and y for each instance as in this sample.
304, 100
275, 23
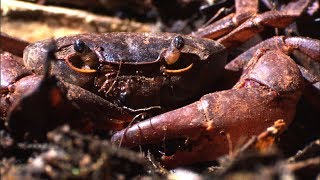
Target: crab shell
134, 60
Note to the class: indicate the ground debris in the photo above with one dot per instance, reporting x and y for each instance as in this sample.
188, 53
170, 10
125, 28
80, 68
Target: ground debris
51, 21
69, 154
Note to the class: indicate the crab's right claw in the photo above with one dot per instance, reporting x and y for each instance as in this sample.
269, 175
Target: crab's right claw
210, 124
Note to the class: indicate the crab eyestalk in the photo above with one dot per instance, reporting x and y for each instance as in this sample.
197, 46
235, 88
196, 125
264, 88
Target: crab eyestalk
172, 55
84, 60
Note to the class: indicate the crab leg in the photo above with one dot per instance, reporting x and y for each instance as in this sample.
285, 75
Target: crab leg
244, 10
308, 46
246, 22
252, 105
256, 24
12, 45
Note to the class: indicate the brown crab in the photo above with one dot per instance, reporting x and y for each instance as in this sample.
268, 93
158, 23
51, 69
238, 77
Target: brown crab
132, 70
253, 104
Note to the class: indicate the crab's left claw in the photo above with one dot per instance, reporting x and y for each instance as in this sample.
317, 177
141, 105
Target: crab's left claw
210, 124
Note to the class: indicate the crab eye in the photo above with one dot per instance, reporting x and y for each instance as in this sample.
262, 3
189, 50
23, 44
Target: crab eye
178, 42
79, 46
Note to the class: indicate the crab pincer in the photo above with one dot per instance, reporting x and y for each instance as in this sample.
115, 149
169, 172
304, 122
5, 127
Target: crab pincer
268, 89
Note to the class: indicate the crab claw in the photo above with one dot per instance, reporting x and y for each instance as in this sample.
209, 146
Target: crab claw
268, 90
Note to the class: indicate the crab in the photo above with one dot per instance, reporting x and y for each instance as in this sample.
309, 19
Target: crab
115, 76
136, 71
